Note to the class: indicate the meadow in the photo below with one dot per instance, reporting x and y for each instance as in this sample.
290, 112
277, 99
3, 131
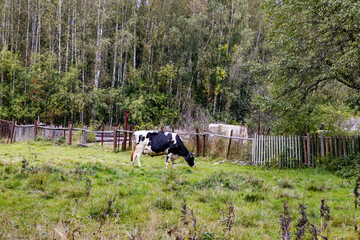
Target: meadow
50, 191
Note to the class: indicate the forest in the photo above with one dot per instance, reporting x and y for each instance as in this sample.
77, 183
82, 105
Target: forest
293, 65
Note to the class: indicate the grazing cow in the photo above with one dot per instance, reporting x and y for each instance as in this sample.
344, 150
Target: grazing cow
156, 143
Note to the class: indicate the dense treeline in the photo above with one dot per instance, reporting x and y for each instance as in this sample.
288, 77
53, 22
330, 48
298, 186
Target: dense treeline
85, 60
295, 65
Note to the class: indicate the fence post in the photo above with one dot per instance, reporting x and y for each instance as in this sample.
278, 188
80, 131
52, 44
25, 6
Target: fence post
326, 146
331, 146
316, 145
35, 129
308, 149
70, 132
115, 136
339, 146
84, 135
344, 146
12, 131
102, 134
304, 160
203, 146
127, 114
172, 128
162, 128
228, 151
322, 144
197, 143
131, 127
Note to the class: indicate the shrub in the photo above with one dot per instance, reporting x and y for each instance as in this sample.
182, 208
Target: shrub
346, 166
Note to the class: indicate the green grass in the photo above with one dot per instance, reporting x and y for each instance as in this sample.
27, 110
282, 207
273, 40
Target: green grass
48, 195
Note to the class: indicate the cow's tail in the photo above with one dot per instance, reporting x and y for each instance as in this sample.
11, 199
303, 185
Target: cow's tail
133, 148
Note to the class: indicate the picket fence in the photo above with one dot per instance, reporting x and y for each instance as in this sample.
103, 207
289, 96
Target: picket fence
294, 151
282, 150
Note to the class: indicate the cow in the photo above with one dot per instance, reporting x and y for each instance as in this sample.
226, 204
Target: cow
155, 143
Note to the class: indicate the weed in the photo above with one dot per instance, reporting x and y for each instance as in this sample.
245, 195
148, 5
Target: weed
74, 225
285, 184
135, 234
105, 216
228, 220
314, 231
301, 224
164, 203
285, 220
316, 188
59, 141
325, 216
39, 180
184, 214
253, 197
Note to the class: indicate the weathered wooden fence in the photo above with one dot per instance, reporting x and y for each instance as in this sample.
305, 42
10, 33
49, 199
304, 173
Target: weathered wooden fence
6, 129
293, 151
203, 141
282, 150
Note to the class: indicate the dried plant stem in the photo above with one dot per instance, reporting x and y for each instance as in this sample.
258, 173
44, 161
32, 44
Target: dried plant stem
325, 217
285, 220
301, 225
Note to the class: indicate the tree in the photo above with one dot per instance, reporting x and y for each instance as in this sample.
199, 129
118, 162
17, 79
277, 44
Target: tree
315, 45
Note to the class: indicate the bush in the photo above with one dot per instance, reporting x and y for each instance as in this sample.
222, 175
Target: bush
346, 166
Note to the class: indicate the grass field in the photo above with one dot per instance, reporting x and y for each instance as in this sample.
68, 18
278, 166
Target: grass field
69, 192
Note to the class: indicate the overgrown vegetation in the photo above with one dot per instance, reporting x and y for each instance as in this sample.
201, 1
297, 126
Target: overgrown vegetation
66, 192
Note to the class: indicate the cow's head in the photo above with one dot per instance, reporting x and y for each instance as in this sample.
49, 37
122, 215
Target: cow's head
190, 160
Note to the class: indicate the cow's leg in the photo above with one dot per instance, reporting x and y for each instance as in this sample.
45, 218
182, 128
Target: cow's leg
173, 158
137, 155
168, 157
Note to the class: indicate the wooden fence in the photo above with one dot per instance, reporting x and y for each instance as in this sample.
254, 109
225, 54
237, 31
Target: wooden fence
293, 151
122, 138
7, 129
282, 150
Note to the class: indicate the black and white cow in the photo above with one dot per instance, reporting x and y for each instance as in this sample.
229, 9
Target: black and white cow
156, 143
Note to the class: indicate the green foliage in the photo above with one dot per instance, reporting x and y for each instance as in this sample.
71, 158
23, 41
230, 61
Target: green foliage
346, 166
313, 45
161, 57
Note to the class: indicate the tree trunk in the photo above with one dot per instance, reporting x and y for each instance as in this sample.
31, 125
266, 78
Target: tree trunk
59, 35
83, 59
27, 39
98, 46
67, 41
134, 60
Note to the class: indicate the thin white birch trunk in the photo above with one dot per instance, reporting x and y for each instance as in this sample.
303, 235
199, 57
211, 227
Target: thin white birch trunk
12, 25
120, 69
75, 36
59, 35
18, 28
115, 63
134, 55
83, 59
98, 47
33, 38
67, 41
27, 39
39, 30
230, 26
115, 50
